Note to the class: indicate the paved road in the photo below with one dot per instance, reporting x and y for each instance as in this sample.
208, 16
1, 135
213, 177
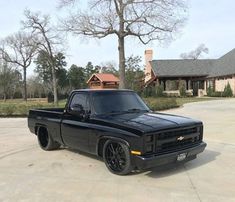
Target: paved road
29, 174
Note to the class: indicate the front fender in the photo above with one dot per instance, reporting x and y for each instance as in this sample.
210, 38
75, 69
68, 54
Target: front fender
133, 143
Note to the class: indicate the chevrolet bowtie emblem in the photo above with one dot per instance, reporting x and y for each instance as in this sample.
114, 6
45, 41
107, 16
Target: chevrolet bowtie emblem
180, 138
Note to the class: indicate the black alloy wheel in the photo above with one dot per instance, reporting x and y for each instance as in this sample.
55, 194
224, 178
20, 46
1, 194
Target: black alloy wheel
117, 157
45, 140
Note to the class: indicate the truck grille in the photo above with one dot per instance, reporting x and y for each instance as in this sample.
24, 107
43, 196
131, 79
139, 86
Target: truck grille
173, 140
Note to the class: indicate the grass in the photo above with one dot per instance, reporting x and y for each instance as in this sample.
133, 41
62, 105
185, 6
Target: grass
19, 108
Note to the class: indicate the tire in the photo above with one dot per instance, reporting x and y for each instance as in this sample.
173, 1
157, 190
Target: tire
117, 157
45, 141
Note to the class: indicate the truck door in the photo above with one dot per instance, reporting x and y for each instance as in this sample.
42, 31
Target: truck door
74, 128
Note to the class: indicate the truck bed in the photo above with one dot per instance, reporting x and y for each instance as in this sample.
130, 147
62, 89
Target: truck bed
50, 117
49, 110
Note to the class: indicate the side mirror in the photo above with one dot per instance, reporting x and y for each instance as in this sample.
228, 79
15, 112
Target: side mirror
77, 109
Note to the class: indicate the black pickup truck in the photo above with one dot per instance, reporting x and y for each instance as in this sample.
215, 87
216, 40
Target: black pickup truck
118, 126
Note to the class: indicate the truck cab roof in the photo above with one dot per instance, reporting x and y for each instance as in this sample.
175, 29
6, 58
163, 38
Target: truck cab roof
102, 90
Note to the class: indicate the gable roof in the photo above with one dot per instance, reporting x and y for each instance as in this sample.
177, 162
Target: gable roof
104, 77
200, 67
225, 65
174, 68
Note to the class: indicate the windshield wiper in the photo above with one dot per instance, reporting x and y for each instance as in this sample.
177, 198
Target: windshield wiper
133, 110
116, 112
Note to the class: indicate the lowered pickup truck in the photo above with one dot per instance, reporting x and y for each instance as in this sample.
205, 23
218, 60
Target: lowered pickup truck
118, 126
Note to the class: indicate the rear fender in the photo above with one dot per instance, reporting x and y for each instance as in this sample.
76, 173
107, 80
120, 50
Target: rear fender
37, 127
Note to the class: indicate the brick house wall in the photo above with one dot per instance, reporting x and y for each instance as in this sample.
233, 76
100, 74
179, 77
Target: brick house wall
220, 84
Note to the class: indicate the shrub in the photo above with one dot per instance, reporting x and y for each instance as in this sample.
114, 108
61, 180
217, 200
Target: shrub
182, 88
159, 91
153, 91
182, 91
8, 110
217, 94
227, 91
157, 104
209, 91
148, 92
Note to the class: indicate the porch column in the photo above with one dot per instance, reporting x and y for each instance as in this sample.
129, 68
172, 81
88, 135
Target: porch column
187, 86
205, 84
164, 84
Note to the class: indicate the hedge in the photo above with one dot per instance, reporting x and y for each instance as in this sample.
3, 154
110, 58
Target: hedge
157, 104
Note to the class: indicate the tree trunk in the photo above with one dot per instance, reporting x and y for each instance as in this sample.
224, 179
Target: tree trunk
4, 96
24, 85
54, 86
121, 51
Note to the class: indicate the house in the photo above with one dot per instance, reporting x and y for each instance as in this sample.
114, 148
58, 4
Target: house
197, 75
102, 81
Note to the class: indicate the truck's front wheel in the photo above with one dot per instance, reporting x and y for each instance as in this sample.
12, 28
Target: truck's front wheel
45, 141
117, 157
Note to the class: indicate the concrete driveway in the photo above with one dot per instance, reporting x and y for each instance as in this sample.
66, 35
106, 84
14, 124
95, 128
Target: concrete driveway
29, 174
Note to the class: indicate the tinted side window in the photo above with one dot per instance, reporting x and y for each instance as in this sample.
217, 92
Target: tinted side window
81, 99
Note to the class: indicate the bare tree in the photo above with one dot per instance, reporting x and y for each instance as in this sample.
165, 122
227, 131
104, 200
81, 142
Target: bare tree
5, 78
146, 20
10, 79
195, 54
48, 40
35, 87
108, 67
19, 49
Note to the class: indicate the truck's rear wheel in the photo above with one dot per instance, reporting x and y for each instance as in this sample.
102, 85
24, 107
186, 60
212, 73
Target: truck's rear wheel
117, 157
45, 141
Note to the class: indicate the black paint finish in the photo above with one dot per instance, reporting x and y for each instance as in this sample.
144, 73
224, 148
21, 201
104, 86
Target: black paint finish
86, 131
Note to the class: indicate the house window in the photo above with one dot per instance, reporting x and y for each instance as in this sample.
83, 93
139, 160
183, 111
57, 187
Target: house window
211, 84
200, 84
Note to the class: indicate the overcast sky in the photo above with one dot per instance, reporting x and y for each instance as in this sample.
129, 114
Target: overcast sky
211, 22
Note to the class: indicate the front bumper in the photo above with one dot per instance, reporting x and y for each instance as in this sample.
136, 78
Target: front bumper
143, 162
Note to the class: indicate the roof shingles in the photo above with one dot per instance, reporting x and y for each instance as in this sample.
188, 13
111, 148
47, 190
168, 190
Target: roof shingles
105, 77
201, 67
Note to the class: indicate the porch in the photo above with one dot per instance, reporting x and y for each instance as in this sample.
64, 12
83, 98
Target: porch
194, 86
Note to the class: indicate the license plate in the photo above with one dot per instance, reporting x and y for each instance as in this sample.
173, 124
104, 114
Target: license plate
181, 157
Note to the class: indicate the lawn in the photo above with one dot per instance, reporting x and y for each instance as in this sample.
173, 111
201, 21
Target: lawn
19, 108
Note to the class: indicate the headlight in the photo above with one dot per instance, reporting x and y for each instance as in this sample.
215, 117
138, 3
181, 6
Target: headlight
149, 138
149, 143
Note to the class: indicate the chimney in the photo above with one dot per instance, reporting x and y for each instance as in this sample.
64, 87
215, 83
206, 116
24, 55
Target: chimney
148, 69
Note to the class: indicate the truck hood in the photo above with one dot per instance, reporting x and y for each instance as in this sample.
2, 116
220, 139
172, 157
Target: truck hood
145, 122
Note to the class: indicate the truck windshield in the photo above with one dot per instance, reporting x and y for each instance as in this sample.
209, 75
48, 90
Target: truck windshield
117, 102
